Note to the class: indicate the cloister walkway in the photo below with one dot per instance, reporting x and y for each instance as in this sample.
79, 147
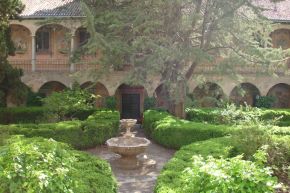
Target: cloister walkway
139, 180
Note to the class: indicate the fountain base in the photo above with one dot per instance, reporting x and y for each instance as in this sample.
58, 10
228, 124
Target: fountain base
128, 163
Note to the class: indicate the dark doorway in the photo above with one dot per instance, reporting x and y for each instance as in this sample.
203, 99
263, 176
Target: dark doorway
130, 106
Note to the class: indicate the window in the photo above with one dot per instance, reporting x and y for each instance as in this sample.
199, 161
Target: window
42, 41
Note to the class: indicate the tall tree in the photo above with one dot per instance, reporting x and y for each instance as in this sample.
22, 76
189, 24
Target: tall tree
10, 83
172, 38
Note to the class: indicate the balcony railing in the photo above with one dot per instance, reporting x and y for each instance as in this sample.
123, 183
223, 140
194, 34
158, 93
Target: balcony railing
52, 65
64, 65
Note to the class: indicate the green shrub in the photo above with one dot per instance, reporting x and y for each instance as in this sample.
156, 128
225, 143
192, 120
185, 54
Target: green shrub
279, 158
21, 115
265, 101
34, 99
202, 115
172, 171
111, 103
174, 133
149, 103
249, 138
151, 117
237, 115
42, 165
69, 102
80, 134
220, 175
18, 115
280, 131
174, 176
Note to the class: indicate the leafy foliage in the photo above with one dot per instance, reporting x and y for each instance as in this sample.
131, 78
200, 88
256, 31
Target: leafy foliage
265, 101
34, 99
80, 134
44, 165
68, 102
174, 133
11, 86
111, 103
149, 103
190, 171
232, 114
172, 37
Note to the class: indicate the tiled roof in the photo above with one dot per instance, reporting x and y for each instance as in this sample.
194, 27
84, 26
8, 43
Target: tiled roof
278, 10
51, 8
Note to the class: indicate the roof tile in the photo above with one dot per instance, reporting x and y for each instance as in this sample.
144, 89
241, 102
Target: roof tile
51, 8
274, 9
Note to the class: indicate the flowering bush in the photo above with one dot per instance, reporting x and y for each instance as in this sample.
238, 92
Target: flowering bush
42, 165
220, 175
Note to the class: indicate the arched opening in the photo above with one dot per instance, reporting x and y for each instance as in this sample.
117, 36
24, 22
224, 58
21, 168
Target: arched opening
208, 95
50, 87
21, 37
81, 36
281, 38
245, 93
281, 93
130, 101
52, 39
99, 90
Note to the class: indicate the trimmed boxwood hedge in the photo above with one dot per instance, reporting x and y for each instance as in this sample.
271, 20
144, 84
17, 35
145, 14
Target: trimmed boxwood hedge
172, 132
212, 115
18, 115
181, 172
170, 177
21, 115
44, 165
99, 127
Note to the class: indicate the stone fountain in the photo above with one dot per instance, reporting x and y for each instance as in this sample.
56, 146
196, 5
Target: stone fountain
128, 146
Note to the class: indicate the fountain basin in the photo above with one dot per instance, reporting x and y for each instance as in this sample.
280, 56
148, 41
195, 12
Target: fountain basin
128, 148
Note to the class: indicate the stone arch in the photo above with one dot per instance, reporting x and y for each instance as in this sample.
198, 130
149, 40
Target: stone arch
99, 90
245, 93
21, 37
81, 35
281, 92
58, 39
208, 94
130, 101
281, 38
52, 86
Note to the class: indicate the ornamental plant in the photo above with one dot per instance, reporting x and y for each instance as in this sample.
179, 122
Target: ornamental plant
68, 102
36, 165
46, 166
227, 175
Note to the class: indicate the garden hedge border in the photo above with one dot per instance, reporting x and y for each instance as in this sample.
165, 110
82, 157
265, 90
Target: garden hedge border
174, 133
18, 115
210, 115
95, 130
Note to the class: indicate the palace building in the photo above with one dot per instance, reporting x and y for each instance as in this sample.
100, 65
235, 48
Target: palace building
43, 52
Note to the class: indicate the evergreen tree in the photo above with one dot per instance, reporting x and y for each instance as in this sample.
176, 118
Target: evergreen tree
172, 38
10, 83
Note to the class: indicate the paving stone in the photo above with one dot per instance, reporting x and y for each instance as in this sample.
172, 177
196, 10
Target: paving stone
141, 180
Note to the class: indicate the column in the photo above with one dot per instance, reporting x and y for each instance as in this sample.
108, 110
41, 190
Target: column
33, 54
72, 48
